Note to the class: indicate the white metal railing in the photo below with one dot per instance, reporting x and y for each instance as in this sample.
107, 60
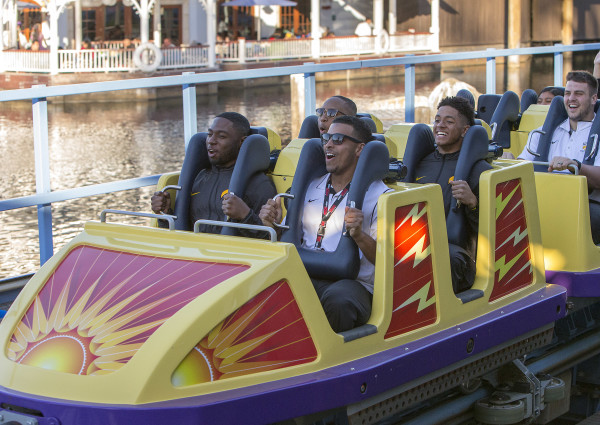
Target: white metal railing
184, 57
25, 61
95, 60
115, 44
116, 58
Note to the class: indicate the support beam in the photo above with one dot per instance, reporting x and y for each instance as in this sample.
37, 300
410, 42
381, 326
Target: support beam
435, 25
514, 30
392, 17
78, 28
377, 16
315, 28
157, 26
211, 31
42, 174
567, 32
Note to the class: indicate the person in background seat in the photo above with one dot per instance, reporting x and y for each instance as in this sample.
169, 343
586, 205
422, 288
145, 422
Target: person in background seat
549, 93
335, 106
454, 117
210, 198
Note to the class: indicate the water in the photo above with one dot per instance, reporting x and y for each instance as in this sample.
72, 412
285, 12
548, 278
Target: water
92, 143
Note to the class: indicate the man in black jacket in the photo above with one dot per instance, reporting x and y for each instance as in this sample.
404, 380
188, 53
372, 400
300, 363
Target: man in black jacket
454, 117
209, 197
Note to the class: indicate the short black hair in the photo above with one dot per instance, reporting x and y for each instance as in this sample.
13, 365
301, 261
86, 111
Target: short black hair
462, 105
360, 129
555, 91
584, 77
349, 103
240, 122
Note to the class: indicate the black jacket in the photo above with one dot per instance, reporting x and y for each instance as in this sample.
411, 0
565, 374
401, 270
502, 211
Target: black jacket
208, 189
439, 168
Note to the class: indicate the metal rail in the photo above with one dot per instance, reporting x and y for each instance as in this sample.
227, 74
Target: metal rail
188, 80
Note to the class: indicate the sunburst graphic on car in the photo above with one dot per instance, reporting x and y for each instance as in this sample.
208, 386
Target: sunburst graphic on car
100, 306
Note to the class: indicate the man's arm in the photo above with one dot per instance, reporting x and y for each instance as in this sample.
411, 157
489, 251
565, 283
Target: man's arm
353, 220
592, 172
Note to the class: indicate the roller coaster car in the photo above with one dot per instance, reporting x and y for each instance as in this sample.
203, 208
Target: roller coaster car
129, 324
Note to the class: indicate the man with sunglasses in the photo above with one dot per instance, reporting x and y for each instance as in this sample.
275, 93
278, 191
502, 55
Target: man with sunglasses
335, 106
454, 117
347, 303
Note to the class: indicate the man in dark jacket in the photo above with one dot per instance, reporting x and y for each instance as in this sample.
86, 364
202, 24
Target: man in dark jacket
454, 117
210, 198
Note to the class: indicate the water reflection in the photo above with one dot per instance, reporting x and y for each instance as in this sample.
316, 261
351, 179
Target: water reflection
93, 143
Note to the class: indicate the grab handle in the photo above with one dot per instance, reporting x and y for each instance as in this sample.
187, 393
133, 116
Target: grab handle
169, 218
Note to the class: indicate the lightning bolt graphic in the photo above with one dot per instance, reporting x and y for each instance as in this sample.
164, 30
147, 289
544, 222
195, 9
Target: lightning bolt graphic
417, 249
421, 296
517, 235
504, 267
414, 214
501, 203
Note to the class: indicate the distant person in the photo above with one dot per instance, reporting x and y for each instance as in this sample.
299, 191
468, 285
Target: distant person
454, 117
209, 196
332, 108
364, 28
570, 139
548, 93
116, 33
167, 43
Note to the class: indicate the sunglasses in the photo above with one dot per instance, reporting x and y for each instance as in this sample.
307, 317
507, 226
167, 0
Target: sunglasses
337, 138
330, 112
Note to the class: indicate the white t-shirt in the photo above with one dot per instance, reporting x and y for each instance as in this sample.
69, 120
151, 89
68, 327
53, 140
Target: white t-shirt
567, 145
311, 218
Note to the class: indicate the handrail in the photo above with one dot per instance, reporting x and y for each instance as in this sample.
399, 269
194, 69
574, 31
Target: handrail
188, 80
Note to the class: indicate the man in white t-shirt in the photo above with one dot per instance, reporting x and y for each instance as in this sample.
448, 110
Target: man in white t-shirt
570, 139
347, 303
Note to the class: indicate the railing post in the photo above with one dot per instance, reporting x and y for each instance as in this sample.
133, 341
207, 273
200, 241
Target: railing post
42, 174
558, 67
190, 122
490, 73
242, 50
310, 93
409, 92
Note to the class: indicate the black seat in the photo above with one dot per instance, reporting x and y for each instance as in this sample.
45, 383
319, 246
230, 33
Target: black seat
466, 94
556, 115
310, 126
528, 97
420, 143
253, 158
343, 263
504, 118
486, 105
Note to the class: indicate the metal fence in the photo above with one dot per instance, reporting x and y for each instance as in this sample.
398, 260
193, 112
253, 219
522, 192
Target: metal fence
45, 196
114, 56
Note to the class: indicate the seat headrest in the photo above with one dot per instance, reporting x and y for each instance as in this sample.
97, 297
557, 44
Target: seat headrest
254, 157
343, 263
419, 144
474, 148
196, 159
309, 128
486, 105
259, 130
466, 94
555, 116
369, 121
528, 98
504, 116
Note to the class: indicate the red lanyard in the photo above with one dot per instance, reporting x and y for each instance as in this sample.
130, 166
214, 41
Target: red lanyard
327, 211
